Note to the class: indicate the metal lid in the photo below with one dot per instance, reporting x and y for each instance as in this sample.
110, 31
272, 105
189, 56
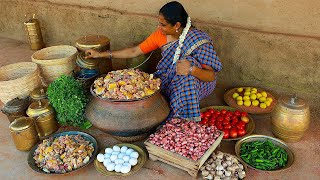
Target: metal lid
86, 63
293, 102
39, 93
16, 105
39, 107
92, 42
21, 124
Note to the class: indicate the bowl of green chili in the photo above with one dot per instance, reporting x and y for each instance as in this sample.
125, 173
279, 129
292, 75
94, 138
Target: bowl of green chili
264, 153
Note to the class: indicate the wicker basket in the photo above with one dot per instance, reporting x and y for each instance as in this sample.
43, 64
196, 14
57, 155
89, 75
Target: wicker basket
18, 80
55, 61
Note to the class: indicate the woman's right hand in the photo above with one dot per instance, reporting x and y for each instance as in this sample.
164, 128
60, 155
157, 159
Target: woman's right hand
90, 53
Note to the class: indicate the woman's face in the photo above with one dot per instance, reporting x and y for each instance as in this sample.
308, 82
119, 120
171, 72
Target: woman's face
166, 27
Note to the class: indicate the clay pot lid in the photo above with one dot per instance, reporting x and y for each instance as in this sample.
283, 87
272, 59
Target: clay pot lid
39, 107
21, 124
293, 102
92, 42
16, 105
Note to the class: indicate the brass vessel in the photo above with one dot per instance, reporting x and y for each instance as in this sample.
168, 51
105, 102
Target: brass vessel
290, 118
40, 107
24, 133
33, 32
16, 108
38, 94
46, 124
86, 63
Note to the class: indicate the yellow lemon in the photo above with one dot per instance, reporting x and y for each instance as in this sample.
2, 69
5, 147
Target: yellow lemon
263, 105
262, 99
253, 96
269, 99
264, 94
239, 98
247, 93
247, 103
240, 90
255, 102
259, 95
240, 103
248, 89
254, 89
246, 98
268, 103
235, 95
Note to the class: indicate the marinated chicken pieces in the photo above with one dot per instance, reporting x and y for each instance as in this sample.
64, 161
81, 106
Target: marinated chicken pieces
126, 84
63, 154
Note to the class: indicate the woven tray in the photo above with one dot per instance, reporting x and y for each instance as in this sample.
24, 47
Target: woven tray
251, 109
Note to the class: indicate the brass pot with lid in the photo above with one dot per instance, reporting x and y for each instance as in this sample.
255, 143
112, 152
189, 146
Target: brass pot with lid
290, 118
38, 93
86, 63
39, 107
16, 108
24, 133
46, 124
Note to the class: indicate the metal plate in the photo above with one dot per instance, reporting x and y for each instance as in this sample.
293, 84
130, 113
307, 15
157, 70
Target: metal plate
275, 141
86, 136
141, 161
249, 127
251, 109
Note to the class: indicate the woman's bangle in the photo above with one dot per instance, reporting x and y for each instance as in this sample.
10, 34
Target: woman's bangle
190, 69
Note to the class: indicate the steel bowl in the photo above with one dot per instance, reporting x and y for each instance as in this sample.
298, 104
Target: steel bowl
86, 136
275, 141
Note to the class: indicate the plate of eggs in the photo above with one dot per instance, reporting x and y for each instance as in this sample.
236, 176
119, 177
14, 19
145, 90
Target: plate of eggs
120, 160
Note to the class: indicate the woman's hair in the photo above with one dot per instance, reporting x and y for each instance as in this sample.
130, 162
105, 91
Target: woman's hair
174, 12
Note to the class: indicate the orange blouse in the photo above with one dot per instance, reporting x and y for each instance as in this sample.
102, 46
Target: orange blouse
153, 42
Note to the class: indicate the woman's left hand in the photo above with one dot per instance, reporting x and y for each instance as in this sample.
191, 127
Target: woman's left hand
183, 67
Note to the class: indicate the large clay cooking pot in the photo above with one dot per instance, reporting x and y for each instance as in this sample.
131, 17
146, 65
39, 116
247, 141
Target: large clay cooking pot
128, 120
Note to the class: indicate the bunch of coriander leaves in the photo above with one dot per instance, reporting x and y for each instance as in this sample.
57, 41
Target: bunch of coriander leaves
68, 98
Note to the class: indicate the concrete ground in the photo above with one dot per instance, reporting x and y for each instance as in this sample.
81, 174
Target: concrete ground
14, 163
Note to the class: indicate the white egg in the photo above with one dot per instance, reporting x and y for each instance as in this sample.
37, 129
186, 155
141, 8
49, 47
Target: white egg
113, 157
133, 161
125, 169
106, 163
116, 148
134, 155
124, 149
100, 157
117, 168
110, 167
129, 151
116, 152
126, 158
119, 161
108, 150
121, 155
107, 156
126, 164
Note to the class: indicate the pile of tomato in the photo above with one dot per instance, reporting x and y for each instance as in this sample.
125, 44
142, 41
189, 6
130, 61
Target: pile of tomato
233, 124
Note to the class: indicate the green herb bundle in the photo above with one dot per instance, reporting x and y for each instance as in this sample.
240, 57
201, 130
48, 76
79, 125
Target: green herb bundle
68, 98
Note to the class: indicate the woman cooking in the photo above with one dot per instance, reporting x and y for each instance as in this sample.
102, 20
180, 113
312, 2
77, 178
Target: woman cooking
189, 62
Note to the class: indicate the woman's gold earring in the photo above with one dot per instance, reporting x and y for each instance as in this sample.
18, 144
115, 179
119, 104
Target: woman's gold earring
176, 30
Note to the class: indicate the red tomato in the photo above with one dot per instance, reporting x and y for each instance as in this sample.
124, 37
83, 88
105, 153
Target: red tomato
202, 115
207, 114
240, 125
224, 122
227, 126
227, 118
235, 120
226, 134
217, 112
212, 119
233, 133
204, 120
244, 114
234, 124
218, 123
223, 111
211, 111
237, 113
220, 118
234, 117
219, 127
229, 113
241, 132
